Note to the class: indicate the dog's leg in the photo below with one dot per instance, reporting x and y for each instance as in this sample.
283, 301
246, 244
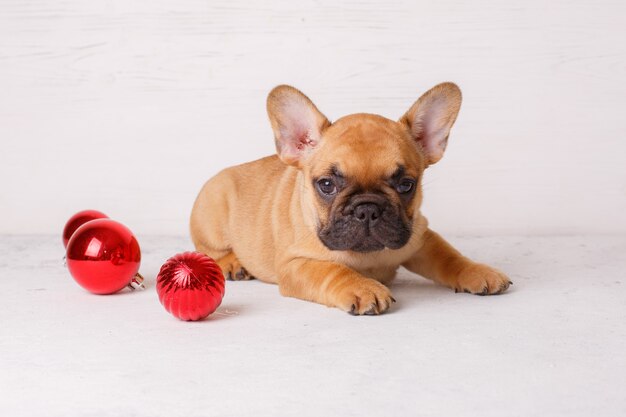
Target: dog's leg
439, 261
232, 268
334, 285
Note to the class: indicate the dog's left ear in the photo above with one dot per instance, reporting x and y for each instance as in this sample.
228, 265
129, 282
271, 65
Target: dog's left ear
296, 122
431, 117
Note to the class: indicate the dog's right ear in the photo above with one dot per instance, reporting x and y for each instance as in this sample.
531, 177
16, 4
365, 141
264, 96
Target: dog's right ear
296, 122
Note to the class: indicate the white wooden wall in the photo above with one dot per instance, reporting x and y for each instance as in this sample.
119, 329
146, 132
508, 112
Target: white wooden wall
128, 106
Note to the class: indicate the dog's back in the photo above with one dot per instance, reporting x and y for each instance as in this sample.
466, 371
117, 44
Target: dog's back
217, 229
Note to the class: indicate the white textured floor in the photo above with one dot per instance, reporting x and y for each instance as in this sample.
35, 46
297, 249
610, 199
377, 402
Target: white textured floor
555, 345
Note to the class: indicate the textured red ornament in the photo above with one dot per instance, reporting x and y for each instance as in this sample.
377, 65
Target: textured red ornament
103, 256
78, 220
190, 285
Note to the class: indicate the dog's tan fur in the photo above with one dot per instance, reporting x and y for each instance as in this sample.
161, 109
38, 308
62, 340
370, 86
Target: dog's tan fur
260, 219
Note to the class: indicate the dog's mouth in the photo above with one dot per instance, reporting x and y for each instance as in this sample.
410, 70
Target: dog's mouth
348, 233
368, 246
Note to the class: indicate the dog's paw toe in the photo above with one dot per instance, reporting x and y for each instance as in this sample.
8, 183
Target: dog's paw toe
242, 275
232, 269
368, 297
482, 280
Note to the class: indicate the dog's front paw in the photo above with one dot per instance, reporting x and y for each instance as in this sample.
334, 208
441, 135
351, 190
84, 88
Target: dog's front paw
482, 280
365, 296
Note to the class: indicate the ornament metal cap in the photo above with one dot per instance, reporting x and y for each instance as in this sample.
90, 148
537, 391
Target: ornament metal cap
136, 282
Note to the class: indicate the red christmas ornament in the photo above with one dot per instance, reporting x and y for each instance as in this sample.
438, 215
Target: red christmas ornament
190, 285
103, 257
78, 220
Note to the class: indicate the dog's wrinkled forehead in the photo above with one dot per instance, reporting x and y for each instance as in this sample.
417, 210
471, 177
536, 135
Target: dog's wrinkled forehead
366, 147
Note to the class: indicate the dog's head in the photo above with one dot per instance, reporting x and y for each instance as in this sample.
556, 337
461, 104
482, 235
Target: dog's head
362, 174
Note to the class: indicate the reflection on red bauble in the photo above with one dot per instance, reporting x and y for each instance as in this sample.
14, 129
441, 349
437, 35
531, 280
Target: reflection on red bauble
190, 285
103, 256
78, 220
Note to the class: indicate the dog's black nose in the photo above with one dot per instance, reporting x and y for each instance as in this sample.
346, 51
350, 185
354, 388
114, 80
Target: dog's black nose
367, 213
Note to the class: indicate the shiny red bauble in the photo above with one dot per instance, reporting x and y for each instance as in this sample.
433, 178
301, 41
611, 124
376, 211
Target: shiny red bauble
103, 256
78, 220
190, 286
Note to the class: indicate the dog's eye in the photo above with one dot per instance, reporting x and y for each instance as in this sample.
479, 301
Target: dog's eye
405, 186
326, 186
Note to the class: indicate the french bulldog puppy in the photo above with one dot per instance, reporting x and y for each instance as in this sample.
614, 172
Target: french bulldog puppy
336, 212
